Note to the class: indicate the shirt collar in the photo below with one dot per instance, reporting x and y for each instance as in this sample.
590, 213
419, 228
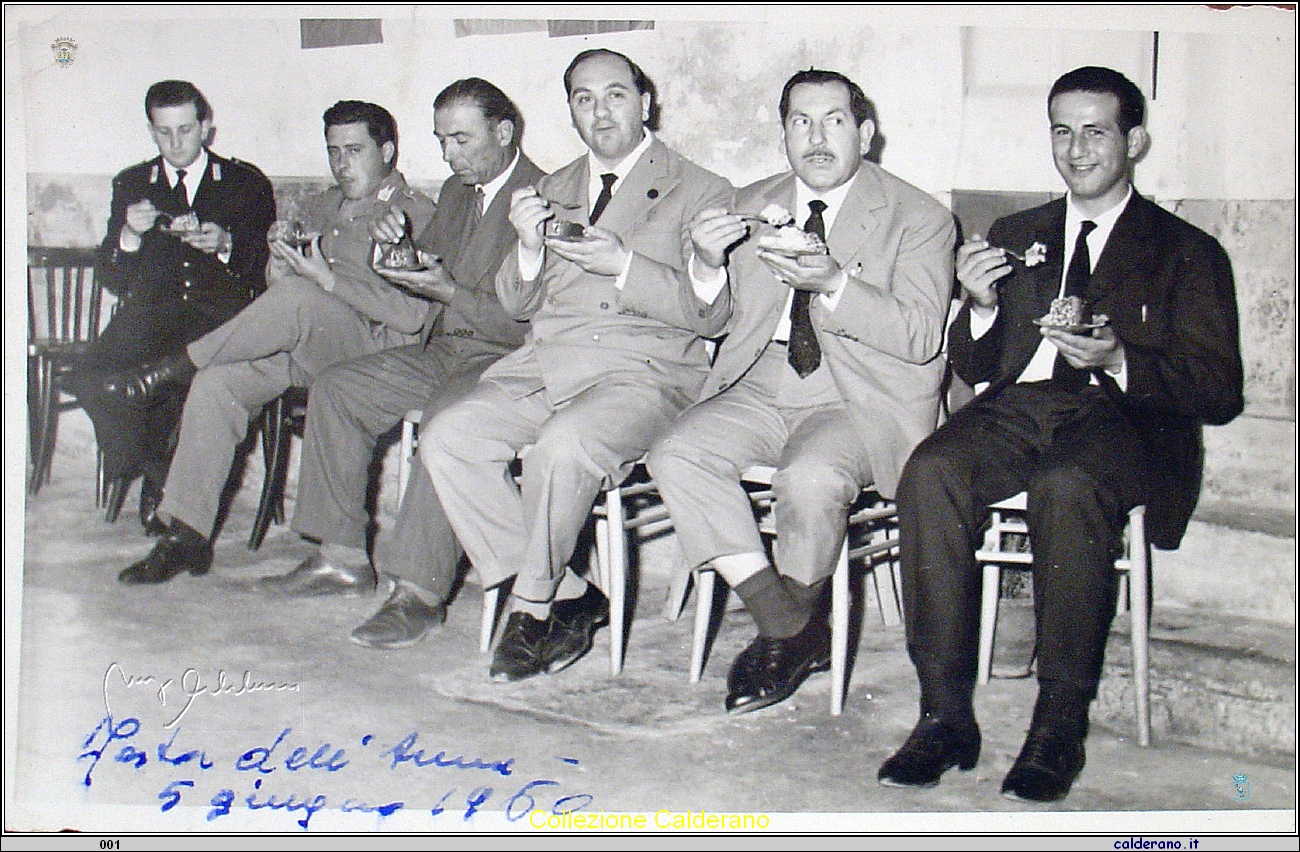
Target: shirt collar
1097, 239
492, 187
595, 169
194, 172
833, 198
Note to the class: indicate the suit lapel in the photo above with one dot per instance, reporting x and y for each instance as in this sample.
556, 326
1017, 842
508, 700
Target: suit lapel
479, 255
652, 178
857, 218
1126, 246
1047, 275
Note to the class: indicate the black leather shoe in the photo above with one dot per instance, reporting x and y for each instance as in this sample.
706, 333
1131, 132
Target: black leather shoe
519, 653
1052, 756
403, 620
150, 498
770, 670
315, 577
180, 549
141, 385
932, 748
573, 628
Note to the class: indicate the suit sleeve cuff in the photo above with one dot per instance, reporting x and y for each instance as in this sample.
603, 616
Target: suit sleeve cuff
622, 276
979, 326
530, 264
707, 287
830, 301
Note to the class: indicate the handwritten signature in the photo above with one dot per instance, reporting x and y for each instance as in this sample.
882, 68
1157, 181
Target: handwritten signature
192, 687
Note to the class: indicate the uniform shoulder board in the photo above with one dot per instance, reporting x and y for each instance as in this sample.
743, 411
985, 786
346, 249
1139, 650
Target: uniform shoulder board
244, 164
146, 170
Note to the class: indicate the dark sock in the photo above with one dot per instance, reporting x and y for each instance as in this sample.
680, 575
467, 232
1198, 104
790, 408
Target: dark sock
776, 612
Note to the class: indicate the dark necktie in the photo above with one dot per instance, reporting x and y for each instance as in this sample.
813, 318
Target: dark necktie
804, 353
1076, 284
471, 221
182, 194
606, 193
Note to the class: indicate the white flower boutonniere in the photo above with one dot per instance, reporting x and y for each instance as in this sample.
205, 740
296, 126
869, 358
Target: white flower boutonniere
1034, 255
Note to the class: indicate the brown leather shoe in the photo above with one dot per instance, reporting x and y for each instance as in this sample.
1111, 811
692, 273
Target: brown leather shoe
402, 621
316, 577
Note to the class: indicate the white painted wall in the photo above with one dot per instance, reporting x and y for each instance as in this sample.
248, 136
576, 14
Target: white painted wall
1224, 120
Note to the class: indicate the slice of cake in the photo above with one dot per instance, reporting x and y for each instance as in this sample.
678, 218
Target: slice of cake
792, 241
1066, 311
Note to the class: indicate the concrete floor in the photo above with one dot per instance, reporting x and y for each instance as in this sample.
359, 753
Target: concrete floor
426, 728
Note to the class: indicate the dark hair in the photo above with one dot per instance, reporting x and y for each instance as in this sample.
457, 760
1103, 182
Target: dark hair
487, 97
379, 122
858, 103
170, 93
1106, 81
644, 85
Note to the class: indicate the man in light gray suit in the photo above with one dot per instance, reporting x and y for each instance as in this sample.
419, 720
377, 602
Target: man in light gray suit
613, 354
830, 372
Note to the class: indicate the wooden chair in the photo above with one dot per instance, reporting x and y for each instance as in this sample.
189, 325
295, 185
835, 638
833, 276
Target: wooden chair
282, 418
878, 551
1007, 518
65, 312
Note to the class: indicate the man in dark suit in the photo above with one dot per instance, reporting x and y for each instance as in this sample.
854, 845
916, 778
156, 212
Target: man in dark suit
830, 372
1089, 422
173, 284
355, 402
325, 304
612, 355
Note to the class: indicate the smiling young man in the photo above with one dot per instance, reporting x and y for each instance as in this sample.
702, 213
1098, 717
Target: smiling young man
830, 373
354, 403
172, 287
1090, 424
322, 306
612, 355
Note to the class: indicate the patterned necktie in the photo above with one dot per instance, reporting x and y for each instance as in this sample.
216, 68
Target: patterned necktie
182, 194
1076, 284
804, 353
606, 193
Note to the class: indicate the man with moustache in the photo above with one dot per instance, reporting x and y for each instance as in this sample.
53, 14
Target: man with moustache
355, 402
323, 306
173, 285
612, 355
1089, 422
830, 372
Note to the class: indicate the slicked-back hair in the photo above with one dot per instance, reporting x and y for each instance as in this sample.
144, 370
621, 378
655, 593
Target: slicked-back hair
859, 106
171, 93
1105, 81
494, 103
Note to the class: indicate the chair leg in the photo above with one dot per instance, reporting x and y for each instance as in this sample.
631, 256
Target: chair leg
273, 445
1140, 592
991, 588
678, 590
115, 497
616, 576
839, 629
488, 621
704, 579
48, 415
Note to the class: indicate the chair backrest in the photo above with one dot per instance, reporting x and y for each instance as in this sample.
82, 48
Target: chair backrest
64, 301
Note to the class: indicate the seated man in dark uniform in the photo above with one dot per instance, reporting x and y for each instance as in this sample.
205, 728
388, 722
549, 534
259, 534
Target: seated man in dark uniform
185, 251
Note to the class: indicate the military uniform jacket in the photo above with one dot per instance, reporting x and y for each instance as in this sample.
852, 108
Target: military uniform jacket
346, 244
232, 194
